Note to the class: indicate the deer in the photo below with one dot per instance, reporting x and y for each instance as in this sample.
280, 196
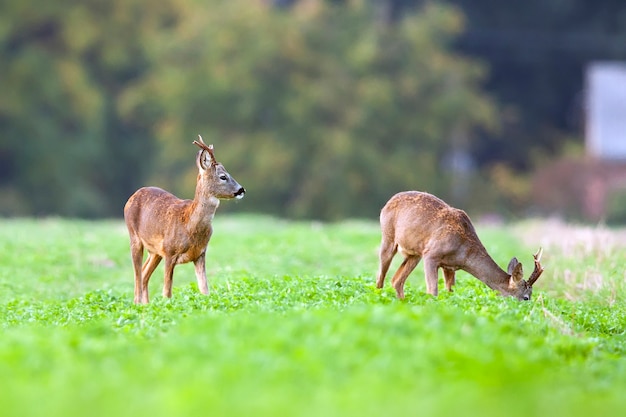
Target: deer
174, 229
421, 226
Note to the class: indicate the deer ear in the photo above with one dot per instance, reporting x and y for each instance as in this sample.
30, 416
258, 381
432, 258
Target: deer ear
512, 264
204, 160
517, 275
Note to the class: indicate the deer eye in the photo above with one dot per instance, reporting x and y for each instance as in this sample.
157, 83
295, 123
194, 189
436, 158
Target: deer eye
223, 177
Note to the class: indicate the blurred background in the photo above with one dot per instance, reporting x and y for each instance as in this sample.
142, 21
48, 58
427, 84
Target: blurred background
321, 109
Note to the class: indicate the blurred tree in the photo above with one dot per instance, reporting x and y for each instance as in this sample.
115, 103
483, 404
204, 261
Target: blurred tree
318, 111
64, 148
537, 53
319, 108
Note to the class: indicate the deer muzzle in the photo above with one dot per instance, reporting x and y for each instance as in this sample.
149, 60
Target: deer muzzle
240, 193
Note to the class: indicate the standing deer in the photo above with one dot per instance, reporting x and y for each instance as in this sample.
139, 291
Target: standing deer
422, 226
174, 229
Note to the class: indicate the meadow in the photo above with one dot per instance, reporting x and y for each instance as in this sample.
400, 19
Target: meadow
294, 326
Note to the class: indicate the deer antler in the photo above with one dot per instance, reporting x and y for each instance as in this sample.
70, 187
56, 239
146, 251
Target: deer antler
204, 146
538, 268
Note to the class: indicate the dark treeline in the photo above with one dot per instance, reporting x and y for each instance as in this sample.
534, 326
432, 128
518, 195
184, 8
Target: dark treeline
537, 53
321, 109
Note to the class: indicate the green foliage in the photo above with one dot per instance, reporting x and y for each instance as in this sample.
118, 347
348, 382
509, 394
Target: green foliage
321, 112
65, 147
322, 109
295, 326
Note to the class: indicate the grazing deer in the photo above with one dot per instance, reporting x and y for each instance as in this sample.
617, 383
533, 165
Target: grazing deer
174, 229
422, 226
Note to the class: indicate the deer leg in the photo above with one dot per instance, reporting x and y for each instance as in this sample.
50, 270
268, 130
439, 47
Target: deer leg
448, 276
146, 272
200, 266
136, 252
169, 277
387, 251
432, 277
401, 275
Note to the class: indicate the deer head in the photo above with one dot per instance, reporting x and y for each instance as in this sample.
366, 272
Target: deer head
519, 288
213, 177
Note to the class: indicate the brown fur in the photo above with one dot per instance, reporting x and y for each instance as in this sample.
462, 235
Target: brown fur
174, 229
422, 226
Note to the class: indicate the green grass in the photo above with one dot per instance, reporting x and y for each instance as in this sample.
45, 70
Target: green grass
295, 326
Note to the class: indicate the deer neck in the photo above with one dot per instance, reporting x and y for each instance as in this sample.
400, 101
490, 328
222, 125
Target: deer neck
202, 209
483, 267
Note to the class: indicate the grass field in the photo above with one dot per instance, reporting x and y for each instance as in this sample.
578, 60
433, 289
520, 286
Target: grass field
294, 326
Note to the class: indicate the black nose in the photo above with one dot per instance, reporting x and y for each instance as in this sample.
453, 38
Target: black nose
241, 191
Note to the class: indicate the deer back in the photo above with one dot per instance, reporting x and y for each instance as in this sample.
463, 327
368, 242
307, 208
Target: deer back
420, 222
